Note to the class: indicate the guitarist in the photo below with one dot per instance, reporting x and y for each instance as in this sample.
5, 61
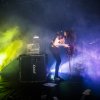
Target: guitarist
55, 44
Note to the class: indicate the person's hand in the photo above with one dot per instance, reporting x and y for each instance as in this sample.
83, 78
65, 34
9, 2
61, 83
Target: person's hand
66, 45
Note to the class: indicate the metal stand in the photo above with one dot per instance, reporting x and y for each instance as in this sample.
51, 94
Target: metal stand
69, 57
70, 54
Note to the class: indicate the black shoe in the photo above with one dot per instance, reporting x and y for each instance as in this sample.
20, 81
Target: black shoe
58, 79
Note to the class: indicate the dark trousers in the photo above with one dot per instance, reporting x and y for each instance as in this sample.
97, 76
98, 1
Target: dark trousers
56, 54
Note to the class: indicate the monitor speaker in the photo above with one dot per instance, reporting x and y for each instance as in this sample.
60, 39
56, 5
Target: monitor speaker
32, 68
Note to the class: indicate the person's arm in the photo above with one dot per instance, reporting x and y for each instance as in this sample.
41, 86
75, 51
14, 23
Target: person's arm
64, 45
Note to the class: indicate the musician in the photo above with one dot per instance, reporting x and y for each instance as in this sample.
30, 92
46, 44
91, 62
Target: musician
56, 43
70, 39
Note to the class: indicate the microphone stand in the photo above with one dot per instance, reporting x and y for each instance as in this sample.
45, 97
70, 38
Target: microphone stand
70, 54
69, 57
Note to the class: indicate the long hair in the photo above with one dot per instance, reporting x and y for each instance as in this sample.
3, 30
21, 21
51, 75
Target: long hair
70, 36
70, 39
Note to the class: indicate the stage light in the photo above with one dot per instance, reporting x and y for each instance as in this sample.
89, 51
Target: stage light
2, 57
10, 46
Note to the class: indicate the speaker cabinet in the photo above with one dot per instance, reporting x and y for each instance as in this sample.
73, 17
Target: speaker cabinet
32, 68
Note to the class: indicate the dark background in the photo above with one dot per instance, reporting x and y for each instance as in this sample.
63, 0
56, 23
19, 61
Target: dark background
52, 15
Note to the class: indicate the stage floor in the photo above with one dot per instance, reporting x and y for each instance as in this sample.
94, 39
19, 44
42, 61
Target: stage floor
70, 88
